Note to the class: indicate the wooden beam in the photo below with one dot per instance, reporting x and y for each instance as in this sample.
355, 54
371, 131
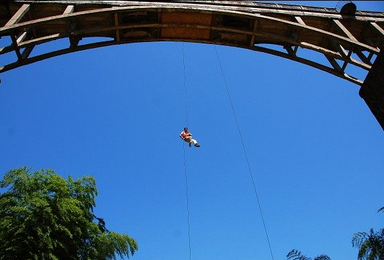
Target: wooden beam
32, 31
18, 15
255, 24
341, 49
310, 63
196, 7
104, 20
15, 47
346, 62
344, 30
291, 51
325, 33
370, 56
334, 64
117, 27
37, 58
320, 49
26, 52
21, 38
40, 40
346, 56
69, 9
299, 20
363, 58
378, 28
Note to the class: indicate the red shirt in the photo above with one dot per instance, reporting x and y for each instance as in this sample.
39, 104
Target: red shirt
184, 134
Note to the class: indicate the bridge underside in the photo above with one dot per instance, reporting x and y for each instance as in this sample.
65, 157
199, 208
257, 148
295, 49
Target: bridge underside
348, 44
372, 90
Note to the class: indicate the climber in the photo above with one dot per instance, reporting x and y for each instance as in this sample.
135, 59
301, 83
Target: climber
187, 137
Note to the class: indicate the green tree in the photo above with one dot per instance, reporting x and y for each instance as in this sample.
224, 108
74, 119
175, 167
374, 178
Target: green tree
371, 245
43, 216
296, 255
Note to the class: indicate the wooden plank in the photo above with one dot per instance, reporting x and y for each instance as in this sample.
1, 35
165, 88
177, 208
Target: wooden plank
230, 5
255, 24
299, 20
40, 40
339, 47
114, 29
70, 23
34, 30
320, 31
320, 49
344, 30
117, 27
360, 64
69, 9
123, 8
363, 57
33, 59
346, 62
378, 28
26, 52
353, 79
291, 51
336, 55
18, 15
347, 57
309, 63
21, 38
343, 51
334, 64
15, 47
182, 17
370, 56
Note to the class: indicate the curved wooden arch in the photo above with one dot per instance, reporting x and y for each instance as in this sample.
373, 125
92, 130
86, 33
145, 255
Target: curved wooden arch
349, 44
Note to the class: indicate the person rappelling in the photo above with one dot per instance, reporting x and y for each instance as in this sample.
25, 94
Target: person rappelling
187, 137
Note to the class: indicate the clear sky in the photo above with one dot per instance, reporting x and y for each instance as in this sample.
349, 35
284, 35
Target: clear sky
315, 149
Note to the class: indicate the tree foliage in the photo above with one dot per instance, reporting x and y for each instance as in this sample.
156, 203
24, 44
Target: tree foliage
296, 255
371, 245
43, 216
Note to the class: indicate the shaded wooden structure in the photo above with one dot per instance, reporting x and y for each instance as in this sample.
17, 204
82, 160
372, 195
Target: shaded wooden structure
350, 41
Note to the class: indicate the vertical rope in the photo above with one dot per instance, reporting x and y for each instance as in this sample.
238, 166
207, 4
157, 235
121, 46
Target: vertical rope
185, 158
185, 88
187, 200
245, 153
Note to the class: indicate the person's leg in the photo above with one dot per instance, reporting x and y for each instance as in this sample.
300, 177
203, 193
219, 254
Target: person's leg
195, 143
189, 141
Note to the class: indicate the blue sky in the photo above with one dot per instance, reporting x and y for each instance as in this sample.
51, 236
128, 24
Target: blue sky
315, 149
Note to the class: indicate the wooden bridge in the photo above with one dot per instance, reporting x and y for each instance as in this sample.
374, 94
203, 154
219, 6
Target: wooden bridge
351, 41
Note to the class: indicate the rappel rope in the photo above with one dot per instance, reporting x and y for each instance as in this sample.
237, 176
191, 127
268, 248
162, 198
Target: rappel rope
185, 88
245, 153
185, 158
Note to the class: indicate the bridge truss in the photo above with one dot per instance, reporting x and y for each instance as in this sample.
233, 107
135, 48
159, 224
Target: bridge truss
350, 44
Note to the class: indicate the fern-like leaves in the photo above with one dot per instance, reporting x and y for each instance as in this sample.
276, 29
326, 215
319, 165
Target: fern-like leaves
296, 255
